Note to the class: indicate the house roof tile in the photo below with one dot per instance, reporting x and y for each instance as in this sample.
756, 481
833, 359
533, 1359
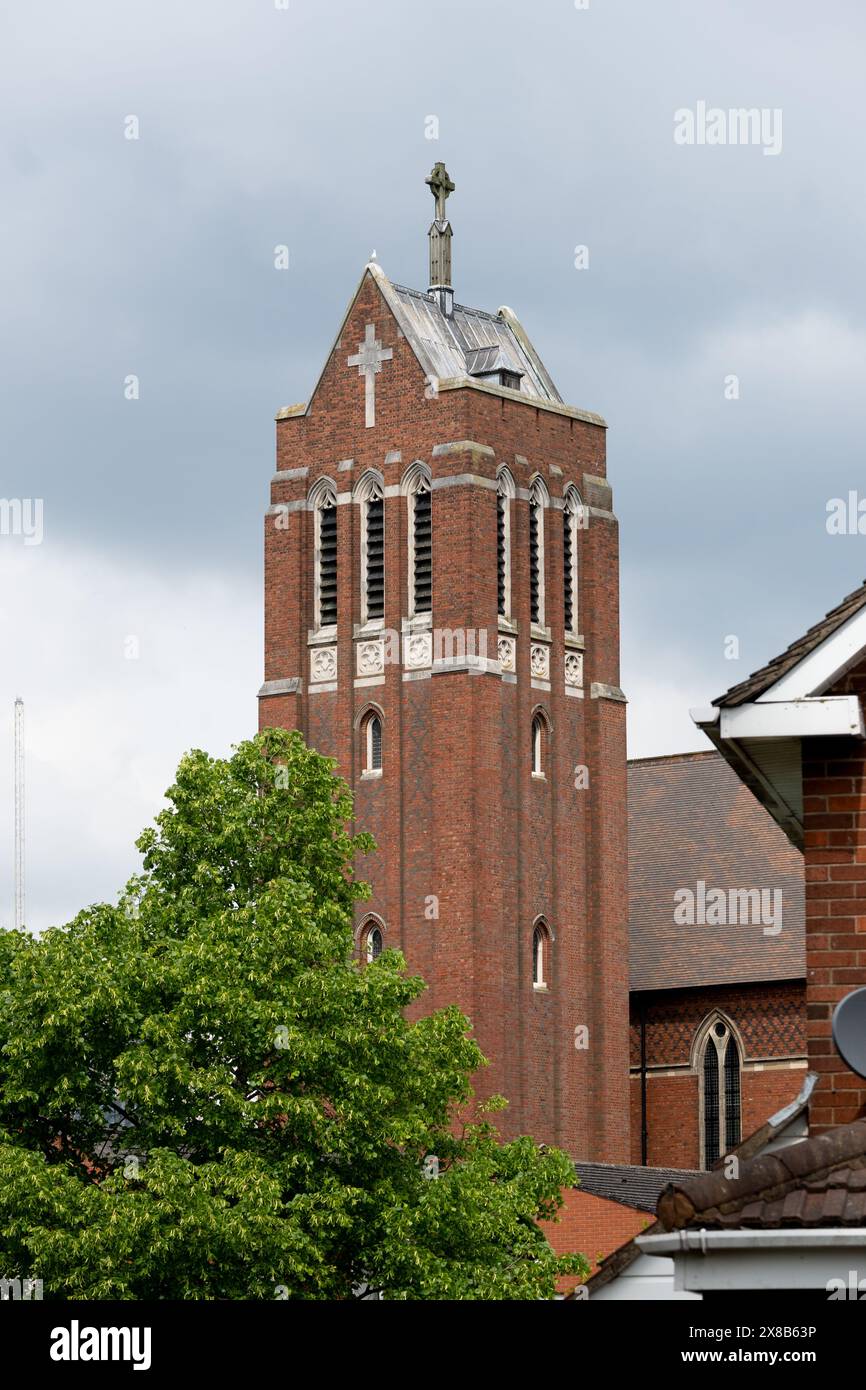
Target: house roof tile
630, 1184
818, 1182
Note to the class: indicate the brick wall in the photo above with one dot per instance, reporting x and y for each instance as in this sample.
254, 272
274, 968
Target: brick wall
834, 807
456, 815
771, 1023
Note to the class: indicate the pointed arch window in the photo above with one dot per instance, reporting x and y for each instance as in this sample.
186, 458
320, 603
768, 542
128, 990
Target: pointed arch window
370, 496
541, 940
323, 500
372, 941
539, 742
504, 494
719, 1065
417, 486
571, 515
711, 1105
733, 1122
537, 503
371, 744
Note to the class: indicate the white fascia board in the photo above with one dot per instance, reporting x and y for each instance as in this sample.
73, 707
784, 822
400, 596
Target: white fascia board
753, 1259
821, 667
823, 717
704, 714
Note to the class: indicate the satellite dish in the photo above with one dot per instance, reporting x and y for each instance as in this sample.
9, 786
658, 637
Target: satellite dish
849, 1030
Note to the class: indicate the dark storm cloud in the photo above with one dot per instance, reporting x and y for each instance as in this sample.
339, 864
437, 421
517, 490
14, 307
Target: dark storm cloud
260, 126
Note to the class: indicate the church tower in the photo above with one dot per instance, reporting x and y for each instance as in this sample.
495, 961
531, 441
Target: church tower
442, 617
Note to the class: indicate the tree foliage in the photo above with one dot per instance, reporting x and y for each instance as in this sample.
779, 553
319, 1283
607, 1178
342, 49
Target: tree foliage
204, 1095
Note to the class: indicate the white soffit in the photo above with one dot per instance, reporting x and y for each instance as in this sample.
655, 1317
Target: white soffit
830, 659
778, 763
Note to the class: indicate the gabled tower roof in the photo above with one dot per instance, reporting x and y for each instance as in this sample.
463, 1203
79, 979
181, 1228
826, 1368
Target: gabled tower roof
462, 348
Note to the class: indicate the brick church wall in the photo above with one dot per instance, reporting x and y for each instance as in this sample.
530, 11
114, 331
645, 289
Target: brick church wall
770, 1022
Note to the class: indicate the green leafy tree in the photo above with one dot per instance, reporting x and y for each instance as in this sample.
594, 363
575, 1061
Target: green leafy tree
204, 1095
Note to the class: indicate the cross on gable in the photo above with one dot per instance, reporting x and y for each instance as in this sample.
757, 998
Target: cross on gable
368, 359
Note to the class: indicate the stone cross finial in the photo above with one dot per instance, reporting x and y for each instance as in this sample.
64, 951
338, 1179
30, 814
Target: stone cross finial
440, 186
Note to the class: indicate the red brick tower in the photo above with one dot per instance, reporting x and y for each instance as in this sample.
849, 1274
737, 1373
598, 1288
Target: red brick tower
442, 617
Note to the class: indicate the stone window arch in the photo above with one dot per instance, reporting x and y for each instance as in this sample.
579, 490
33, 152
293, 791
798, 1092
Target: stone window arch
717, 1057
417, 489
370, 724
540, 742
539, 500
572, 511
370, 496
371, 938
505, 492
542, 943
322, 502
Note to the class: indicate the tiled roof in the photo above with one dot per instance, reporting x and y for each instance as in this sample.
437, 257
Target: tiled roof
691, 819
768, 675
819, 1182
629, 1184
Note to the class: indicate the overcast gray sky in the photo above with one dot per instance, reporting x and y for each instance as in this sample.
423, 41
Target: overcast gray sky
307, 126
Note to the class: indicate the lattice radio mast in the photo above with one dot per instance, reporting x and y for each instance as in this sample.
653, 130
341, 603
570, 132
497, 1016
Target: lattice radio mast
19, 812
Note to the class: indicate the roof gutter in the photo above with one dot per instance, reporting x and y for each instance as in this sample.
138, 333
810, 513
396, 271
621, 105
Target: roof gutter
764, 1260
699, 1240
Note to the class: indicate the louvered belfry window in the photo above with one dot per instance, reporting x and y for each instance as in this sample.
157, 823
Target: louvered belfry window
571, 512
504, 494
501, 522
327, 558
568, 568
422, 550
375, 541
535, 559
